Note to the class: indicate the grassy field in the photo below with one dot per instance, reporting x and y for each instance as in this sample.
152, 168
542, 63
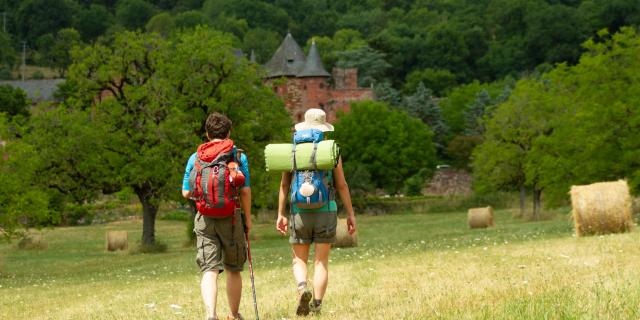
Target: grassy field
408, 266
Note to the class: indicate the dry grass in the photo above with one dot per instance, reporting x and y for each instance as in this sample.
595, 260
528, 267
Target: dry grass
406, 267
601, 208
48, 73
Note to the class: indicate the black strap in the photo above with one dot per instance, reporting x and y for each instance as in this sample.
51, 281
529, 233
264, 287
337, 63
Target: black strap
293, 152
313, 156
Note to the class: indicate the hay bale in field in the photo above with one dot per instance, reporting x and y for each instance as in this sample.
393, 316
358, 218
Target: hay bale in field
343, 238
480, 217
33, 242
601, 208
117, 240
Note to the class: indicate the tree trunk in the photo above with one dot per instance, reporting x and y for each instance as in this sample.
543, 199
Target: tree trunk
537, 193
149, 212
523, 195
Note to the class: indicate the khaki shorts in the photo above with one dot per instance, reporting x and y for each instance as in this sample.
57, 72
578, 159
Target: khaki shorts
310, 227
220, 243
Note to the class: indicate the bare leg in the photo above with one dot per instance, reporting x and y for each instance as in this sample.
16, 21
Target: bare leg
321, 271
300, 257
234, 291
209, 289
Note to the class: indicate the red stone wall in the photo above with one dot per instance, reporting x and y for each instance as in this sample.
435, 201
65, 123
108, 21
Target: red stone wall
300, 94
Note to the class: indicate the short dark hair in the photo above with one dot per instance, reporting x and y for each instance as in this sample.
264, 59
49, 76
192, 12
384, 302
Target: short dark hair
218, 126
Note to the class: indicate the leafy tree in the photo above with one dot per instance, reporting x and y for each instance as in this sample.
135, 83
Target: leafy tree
22, 204
262, 42
503, 160
475, 113
155, 96
342, 40
94, 22
55, 51
440, 81
370, 63
424, 106
134, 14
162, 23
38, 17
13, 101
386, 93
460, 149
190, 19
596, 125
7, 53
388, 143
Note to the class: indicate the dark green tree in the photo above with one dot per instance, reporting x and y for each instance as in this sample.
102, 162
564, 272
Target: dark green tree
134, 14
370, 63
474, 115
13, 101
94, 22
424, 106
38, 17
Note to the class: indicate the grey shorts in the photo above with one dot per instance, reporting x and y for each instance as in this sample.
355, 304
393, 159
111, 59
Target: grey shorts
310, 227
220, 243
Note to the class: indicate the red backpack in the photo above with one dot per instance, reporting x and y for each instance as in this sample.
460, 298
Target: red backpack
215, 178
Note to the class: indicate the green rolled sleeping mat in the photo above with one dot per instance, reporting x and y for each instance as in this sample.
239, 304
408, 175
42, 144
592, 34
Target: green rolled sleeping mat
279, 157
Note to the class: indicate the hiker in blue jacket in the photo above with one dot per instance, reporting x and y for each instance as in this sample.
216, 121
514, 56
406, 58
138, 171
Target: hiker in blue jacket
316, 226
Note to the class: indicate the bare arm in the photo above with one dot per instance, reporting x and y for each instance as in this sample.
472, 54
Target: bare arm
186, 194
282, 221
343, 191
245, 204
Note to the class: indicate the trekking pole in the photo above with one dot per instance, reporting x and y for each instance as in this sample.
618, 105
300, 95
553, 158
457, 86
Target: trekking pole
253, 284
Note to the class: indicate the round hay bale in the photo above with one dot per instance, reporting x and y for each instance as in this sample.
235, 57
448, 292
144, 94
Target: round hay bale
480, 217
343, 238
601, 208
33, 242
117, 240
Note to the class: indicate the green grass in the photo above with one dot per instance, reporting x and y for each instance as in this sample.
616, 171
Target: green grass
408, 266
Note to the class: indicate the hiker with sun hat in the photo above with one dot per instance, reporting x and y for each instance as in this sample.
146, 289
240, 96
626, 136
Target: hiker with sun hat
313, 213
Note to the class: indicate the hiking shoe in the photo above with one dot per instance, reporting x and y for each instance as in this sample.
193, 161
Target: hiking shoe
238, 317
315, 309
303, 303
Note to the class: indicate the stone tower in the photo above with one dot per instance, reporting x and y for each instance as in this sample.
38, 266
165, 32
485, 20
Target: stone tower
304, 83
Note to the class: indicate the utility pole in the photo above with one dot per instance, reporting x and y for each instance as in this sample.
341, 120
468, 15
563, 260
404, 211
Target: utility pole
24, 58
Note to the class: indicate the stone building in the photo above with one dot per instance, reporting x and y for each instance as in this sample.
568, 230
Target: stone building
304, 83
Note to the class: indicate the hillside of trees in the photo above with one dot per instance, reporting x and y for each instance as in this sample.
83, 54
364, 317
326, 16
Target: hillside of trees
529, 95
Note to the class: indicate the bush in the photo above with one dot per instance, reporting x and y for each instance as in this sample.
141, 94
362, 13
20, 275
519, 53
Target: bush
414, 185
77, 215
37, 75
5, 74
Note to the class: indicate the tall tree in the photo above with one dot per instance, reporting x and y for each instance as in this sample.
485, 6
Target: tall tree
424, 106
153, 98
134, 14
474, 115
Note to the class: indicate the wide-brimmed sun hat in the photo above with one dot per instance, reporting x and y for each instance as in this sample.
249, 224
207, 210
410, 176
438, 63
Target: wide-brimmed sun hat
314, 119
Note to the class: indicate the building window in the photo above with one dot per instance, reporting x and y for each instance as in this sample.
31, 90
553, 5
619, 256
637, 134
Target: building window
322, 106
275, 89
321, 85
304, 87
300, 116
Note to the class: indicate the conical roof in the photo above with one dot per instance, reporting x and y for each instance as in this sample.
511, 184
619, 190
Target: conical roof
288, 59
313, 67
